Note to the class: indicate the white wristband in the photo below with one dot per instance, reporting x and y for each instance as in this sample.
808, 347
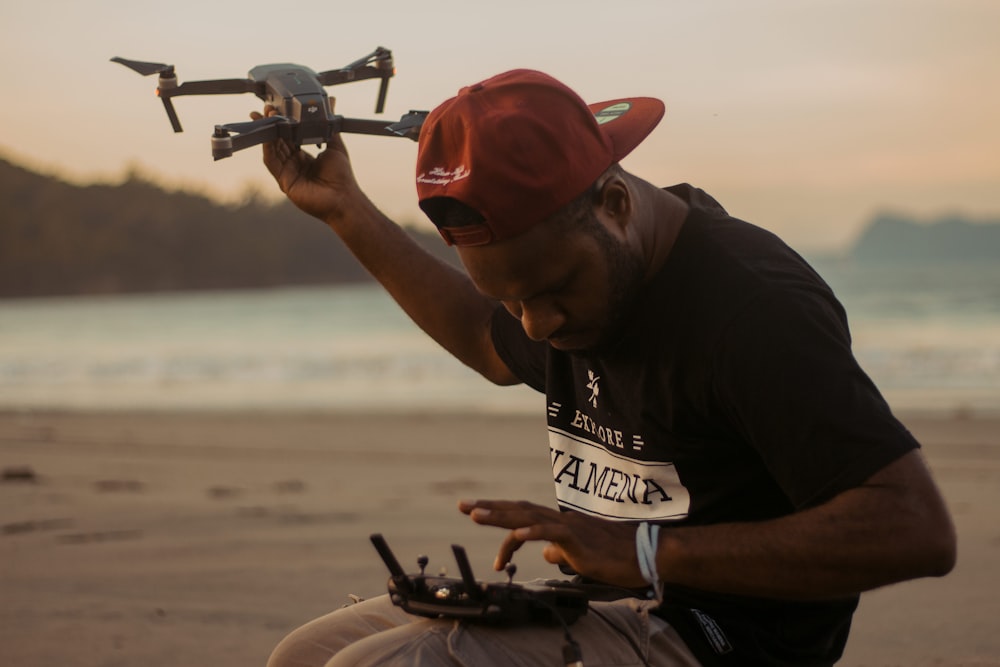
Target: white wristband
646, 542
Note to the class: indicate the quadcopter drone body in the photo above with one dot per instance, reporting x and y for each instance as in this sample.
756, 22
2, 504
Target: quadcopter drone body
304, 114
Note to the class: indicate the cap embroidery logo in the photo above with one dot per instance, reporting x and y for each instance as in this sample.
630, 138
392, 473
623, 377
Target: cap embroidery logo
594, 388
442, 176
608, 114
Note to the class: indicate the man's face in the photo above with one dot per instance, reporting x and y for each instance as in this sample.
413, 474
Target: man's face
568, 285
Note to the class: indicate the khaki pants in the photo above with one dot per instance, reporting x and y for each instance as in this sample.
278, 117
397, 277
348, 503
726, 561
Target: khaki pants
375, 632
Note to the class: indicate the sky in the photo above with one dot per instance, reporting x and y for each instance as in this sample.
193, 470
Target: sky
804, 117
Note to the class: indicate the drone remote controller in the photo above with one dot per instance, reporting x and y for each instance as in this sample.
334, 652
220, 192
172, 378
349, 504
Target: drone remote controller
501, 603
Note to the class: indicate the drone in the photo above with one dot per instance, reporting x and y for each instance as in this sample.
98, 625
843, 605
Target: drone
304, 114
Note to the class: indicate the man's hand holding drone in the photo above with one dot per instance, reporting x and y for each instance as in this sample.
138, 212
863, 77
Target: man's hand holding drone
323, 186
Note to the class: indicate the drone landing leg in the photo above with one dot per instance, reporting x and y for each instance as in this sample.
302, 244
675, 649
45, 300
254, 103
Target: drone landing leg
171, 114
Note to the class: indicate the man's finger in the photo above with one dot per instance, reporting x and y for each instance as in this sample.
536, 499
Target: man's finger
510, 516
506, 552
336, 143
548, 531
553, 553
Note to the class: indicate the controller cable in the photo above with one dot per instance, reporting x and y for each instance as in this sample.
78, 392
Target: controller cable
646, 543
571, 651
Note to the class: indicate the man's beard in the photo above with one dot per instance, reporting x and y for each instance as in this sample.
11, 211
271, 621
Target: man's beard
625, 278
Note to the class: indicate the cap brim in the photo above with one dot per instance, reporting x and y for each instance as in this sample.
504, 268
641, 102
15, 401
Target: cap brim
627, 121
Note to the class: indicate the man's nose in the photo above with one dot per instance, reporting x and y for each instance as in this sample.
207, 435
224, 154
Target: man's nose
540, 319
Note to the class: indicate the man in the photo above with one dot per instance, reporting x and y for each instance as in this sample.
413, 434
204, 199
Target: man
715, 447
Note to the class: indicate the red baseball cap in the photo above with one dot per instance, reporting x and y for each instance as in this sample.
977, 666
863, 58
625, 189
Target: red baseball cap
519, 146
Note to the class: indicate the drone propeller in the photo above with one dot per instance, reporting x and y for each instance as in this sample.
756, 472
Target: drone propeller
167, 84
376, 57
409, 125
144, 68
378, 63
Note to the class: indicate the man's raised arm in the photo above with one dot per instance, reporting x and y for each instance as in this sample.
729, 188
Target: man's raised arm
440, 299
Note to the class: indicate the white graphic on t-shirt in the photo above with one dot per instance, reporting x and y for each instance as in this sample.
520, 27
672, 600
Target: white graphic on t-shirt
594, 388
606, 435
594, 480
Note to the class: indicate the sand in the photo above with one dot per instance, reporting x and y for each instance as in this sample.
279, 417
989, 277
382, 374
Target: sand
201, 539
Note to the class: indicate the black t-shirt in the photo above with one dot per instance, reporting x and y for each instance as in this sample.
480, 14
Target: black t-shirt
731, 395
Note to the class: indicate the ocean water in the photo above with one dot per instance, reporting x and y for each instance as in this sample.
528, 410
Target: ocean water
928, 335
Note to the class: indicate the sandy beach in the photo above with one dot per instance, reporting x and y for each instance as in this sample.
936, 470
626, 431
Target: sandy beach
202, 538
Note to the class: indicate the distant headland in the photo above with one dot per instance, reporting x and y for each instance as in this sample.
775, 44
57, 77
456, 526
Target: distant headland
62, 239
896, 238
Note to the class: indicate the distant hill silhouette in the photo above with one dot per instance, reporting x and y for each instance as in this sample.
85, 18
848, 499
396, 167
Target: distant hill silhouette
895, 238
61, 239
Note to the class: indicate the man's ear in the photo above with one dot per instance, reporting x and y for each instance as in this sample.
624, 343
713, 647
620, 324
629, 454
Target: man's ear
614, 201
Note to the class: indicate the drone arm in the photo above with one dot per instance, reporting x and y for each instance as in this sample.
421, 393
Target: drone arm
408, 126
363, 126
337, 76
218, 87
262, 130
221, 87
224, 145
263, 135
